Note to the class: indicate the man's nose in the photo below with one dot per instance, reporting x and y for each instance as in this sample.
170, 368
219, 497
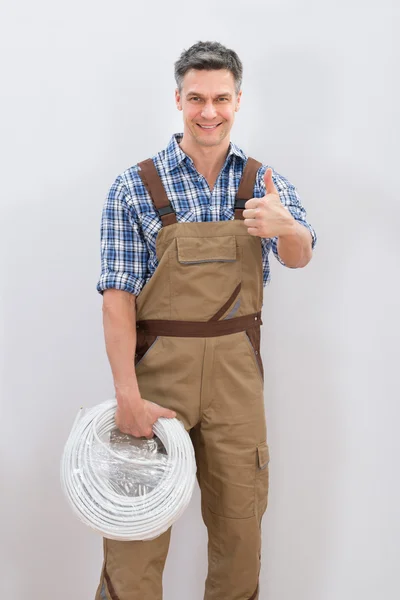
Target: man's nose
208, 111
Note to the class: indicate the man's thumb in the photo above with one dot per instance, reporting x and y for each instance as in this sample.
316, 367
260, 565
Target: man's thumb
269, 184
167, 413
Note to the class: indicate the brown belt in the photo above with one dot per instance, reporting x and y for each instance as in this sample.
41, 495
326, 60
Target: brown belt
199, 328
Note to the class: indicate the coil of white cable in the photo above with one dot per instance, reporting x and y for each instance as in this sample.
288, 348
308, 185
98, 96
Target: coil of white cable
104, 508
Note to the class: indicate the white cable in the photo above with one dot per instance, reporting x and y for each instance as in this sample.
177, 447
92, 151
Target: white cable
95, 500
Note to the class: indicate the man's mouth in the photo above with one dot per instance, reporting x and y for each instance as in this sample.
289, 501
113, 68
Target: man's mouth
208, 127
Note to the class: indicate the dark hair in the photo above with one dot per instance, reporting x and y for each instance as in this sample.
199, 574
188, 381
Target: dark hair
209, 56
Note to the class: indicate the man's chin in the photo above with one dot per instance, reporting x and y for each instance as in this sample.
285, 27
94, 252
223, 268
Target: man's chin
209, 142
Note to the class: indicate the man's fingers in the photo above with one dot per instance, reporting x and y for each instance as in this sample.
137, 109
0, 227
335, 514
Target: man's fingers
253, 231
251, 223
250, 213
252, 203
269, 184
167, 413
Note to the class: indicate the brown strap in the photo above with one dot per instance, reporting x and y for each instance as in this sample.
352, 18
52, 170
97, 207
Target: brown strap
171, 328
153, 184
246, 186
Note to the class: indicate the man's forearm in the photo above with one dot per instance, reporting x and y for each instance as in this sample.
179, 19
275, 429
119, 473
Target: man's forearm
119, 321
295, 248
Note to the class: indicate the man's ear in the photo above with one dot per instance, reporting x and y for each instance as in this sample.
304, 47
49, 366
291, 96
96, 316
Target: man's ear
238, 99
178, 100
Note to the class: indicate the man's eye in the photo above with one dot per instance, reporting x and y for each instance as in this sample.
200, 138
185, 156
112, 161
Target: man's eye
195, 98
223, 99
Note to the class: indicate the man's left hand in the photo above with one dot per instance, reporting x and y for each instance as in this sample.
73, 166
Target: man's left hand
267, 217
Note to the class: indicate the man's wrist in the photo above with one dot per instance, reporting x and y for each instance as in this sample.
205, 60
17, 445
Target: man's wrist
128, 393
295, 247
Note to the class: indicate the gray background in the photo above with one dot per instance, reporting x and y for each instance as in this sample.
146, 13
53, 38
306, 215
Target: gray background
87, 91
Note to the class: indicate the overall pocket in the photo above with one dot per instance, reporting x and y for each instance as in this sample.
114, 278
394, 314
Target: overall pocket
204, 272
262, 479
145, 344
253, 339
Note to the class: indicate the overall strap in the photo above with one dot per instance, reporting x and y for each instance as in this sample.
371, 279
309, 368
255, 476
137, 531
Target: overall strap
153, 184
246, 186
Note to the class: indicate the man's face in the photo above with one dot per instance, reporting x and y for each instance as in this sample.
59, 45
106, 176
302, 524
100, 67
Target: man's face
208, 101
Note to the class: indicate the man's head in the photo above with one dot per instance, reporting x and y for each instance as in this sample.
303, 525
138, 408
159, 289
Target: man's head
209, 79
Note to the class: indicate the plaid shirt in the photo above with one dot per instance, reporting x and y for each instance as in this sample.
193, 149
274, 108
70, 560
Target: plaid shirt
130, 222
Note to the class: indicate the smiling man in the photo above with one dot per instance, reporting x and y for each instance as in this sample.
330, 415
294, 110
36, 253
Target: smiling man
186, 238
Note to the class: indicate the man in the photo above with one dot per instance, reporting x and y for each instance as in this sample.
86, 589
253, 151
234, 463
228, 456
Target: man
185, 243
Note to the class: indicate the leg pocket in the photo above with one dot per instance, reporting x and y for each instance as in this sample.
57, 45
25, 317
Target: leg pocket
262, 480
253, 339
145, 344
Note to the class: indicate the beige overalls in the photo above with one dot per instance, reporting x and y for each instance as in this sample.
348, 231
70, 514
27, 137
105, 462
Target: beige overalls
198, 353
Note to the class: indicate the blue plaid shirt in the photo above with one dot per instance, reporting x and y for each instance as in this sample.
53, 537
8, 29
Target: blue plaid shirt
130, 223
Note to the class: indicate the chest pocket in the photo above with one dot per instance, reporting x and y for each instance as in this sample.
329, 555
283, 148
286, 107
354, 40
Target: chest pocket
204, 271
208, 249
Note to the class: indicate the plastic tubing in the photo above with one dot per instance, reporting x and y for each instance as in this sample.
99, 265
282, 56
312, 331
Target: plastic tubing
97, 503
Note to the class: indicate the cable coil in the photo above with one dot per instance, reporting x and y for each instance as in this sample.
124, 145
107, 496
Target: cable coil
108, 511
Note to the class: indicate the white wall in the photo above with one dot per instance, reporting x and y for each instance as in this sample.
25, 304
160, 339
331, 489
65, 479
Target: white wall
87, 90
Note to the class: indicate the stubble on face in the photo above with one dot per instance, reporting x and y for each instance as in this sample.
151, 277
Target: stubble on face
208, 98
208, 140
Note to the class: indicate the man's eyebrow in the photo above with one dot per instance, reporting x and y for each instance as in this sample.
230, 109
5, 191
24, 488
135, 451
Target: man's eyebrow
226, 94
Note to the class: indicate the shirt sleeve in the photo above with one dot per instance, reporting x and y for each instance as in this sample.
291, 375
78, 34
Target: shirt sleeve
124, 255
290, 198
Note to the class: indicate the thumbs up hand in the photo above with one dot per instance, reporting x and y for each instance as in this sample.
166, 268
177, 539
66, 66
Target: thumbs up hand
267, 217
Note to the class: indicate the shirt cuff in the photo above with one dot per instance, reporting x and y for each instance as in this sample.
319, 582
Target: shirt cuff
120, 281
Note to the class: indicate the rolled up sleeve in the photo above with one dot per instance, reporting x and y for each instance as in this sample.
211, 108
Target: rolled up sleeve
290, 198
124, 255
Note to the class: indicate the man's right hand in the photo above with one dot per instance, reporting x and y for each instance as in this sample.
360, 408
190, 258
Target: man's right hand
138, 418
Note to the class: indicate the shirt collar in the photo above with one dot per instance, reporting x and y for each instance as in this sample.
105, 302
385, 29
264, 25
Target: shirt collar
174, 155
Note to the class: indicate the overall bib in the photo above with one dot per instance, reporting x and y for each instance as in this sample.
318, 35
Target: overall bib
198, 353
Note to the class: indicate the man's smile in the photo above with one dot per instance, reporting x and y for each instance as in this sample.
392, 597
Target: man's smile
209, 127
